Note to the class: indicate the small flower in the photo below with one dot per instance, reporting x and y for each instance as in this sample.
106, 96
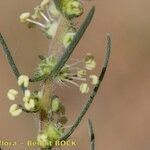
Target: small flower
67, 39
27, 93
15, 110
55, 105
12, 94
84, 88
81, 73
23, 80
94, 79
29, 104
32, 100
91, 65
24, 16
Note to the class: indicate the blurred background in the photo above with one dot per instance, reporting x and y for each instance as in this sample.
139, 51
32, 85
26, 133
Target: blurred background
121, 110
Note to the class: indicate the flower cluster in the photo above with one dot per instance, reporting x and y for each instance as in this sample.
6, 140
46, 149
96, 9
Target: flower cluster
55, 19
48, 17
49, 135
33, 104
31, 100
70, 73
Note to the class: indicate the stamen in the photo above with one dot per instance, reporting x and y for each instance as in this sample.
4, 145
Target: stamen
72, 82
80, 79
49, 15
44, 16
37, 23
76, 63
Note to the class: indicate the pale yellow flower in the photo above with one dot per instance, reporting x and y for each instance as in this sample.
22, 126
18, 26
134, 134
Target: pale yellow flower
94, 79
29, 104
15, 110
23, 80
84, 88
12, 94
24, 16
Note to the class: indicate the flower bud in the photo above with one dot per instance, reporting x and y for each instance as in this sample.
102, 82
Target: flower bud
12, 94
55, 105
51, 29
81, 73
67, 39
53, 132
23, 80
84, 88
43, 140
91, 65
15, 110
46, 66
73, 8
24, 17
94, 79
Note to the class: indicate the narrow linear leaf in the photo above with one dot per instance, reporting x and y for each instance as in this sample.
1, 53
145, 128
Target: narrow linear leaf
92, 96
10, 59
69, 50
91, 135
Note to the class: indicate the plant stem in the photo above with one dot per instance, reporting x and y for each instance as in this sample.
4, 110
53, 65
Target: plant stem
91, 135
91, 98
69, 49
73, 44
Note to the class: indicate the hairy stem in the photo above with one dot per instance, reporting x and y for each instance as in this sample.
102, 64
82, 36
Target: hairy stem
91, 98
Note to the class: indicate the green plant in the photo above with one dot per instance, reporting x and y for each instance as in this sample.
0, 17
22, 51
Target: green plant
59, 27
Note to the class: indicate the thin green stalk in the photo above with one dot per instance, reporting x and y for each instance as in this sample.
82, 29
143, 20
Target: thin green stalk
91, 98
91, 135
69, 49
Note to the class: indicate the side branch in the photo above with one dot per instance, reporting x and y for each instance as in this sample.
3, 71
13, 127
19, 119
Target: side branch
91, 135
91, 98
